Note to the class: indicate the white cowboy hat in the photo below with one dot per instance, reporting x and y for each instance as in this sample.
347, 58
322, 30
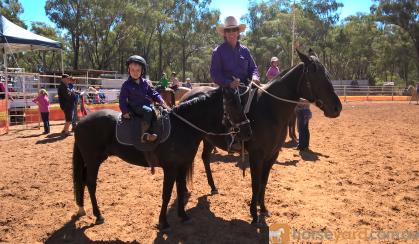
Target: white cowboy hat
229, 23
188, 79
273, 59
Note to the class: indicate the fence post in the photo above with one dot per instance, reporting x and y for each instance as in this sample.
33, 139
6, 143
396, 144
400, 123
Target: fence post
344, 93
392, 93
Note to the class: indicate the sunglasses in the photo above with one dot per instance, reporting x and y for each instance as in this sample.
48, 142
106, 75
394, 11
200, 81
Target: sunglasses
231, 30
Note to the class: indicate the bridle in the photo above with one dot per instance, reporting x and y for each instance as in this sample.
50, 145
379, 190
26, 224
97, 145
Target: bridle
305, 82
234, 126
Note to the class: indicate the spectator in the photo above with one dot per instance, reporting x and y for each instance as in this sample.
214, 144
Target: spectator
273, 70
43, 103
303, 116
66, 99
2, 90
187, 83
163, 82
75, 115
174, 81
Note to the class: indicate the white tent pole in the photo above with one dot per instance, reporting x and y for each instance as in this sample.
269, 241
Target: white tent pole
7, 89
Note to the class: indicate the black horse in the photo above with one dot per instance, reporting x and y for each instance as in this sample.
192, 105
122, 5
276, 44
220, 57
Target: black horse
95, 141
269, 118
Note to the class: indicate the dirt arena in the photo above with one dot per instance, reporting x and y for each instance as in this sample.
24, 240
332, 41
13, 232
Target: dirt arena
362, 174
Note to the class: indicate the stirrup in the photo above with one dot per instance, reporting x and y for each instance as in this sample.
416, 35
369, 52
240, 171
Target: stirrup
147, 137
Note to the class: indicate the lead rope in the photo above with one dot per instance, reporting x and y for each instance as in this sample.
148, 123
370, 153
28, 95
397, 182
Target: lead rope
243, 159
278, 98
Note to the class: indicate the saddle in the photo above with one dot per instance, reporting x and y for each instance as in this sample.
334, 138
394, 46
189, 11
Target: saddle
129, 131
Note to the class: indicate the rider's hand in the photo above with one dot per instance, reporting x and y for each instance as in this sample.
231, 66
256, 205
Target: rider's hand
235, 83
126, 116
256, 80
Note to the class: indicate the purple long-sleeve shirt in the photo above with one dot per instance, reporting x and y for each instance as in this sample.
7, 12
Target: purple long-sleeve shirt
137, 95
227, 62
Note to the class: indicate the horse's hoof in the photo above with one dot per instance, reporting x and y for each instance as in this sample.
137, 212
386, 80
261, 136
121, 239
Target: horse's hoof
164, 228
214, 192
81, 212
100, 220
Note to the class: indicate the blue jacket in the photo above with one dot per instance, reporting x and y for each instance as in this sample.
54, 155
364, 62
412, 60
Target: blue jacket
137, 95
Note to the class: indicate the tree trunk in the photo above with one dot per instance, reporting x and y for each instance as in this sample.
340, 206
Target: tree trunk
416, 41
160, 63
183, 60
76, 47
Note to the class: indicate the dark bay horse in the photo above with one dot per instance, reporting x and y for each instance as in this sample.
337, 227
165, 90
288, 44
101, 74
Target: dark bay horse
95, 141
269, 116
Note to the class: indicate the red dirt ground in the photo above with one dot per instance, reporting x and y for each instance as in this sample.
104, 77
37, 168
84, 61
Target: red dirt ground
362, 174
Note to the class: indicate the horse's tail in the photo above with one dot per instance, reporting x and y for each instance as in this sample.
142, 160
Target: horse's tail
79, 176
189, 175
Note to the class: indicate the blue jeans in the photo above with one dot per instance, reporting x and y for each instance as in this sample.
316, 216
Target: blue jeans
145, 112
45, 120
75, 114
303, 118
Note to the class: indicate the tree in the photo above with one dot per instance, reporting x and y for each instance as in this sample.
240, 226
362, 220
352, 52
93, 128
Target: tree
192, 28
68, 15
11, 9
106, 33
403, 13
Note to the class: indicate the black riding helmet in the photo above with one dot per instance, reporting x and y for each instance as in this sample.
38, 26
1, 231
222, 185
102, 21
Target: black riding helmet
139, 60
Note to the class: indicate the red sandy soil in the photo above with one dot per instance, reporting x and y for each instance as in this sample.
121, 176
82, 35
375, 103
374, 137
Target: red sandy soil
362, 173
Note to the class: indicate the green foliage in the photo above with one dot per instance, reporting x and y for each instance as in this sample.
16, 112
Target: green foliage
179, 35
11, 9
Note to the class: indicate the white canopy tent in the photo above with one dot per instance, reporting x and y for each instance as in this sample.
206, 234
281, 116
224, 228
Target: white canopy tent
15, 39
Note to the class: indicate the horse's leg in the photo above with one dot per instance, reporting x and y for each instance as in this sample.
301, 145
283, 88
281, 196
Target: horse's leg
168, 182
79, 180
206, 158
92, 171
181, 194
291, 128
255, 172
265, 176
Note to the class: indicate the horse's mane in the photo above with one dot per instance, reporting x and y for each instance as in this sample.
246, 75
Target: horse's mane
213, 94
282, 73
282, 76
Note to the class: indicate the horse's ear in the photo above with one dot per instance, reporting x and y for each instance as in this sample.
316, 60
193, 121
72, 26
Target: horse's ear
302, 56
312, 53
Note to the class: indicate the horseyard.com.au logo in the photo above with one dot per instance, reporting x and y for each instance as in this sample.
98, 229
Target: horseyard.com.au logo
279, 233
282, 233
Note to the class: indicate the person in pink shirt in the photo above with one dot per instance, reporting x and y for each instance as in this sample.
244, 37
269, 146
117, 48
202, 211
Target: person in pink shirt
43, 104
273, 70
